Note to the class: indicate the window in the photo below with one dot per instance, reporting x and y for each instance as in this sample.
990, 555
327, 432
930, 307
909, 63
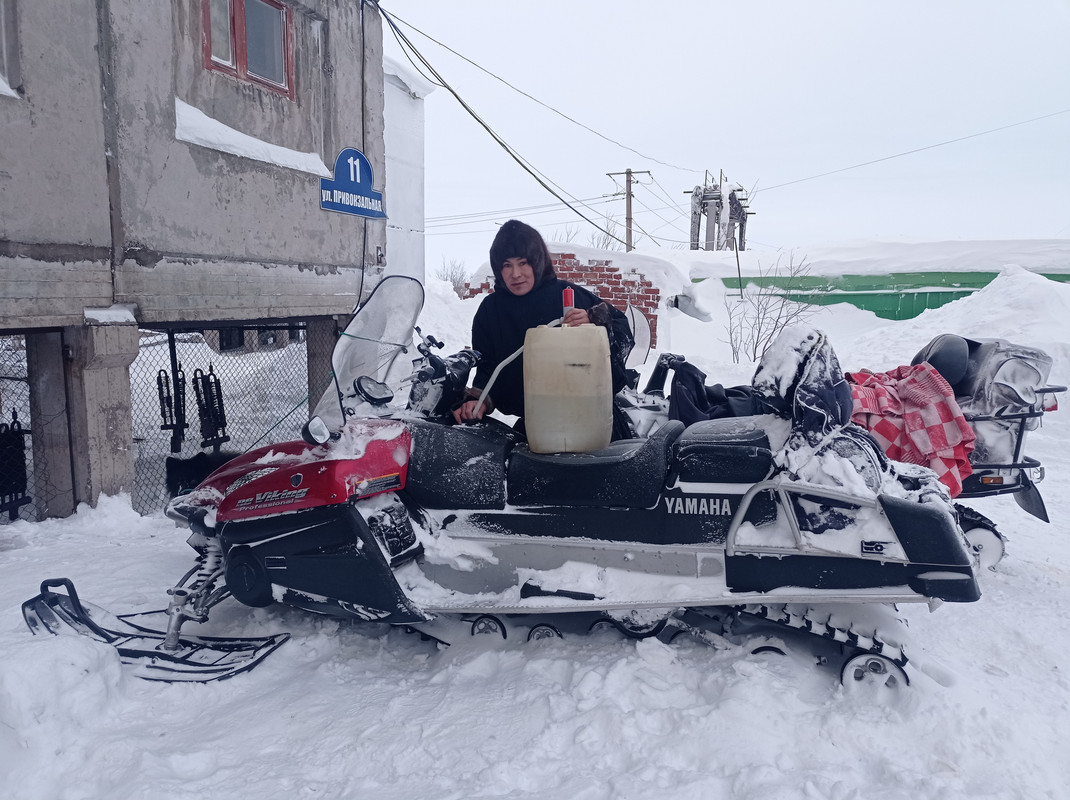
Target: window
9, 62
251, 40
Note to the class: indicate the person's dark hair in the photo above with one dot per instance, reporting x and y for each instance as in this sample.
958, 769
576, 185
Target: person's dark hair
516, 239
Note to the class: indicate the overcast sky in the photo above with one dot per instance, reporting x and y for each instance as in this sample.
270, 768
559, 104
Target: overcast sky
770, 93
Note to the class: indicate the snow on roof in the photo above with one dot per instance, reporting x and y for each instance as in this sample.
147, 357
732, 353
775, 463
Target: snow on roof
416, 83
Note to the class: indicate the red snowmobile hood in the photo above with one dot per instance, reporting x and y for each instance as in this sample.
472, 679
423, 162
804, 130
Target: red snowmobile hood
372, 456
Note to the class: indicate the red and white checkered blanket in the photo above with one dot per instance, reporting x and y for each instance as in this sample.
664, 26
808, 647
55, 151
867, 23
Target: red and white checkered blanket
912, 413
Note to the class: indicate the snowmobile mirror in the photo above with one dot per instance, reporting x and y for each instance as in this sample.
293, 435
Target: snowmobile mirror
372, 391
316, 431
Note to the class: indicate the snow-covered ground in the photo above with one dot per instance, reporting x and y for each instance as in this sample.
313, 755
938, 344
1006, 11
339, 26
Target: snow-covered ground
348, 710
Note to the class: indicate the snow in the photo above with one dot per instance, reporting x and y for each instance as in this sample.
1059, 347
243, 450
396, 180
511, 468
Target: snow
194, 126
415, 83
5, 90
356, 710
117, 314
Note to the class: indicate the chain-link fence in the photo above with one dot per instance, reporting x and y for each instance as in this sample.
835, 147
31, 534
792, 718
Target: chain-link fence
233, 389
18, 483
192, 391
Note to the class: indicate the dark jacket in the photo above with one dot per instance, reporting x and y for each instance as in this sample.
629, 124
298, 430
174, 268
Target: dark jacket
503, 319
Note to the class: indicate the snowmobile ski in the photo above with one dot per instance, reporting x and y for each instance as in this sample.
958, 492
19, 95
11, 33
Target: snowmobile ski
197, 659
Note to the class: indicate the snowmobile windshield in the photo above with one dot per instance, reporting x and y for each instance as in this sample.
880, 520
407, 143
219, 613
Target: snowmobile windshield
379, 332
1001, 377
1015, 382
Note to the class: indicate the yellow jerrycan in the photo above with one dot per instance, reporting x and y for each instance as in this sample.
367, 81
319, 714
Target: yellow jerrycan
568, 389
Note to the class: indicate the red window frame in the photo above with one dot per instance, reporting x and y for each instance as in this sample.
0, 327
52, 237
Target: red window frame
239, 48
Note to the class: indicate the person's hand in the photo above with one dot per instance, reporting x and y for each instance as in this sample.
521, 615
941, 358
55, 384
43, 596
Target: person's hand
469, 411
574, 317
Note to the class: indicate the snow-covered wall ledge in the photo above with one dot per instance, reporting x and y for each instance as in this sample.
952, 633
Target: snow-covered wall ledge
5, 90
194, 126
117, 314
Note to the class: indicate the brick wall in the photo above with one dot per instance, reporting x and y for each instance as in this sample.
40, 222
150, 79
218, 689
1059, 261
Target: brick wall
606, 281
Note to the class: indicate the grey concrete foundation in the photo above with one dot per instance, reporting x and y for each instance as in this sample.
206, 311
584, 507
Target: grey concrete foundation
98, 378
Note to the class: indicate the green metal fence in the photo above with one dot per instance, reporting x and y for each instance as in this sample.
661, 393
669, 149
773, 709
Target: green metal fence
896, 295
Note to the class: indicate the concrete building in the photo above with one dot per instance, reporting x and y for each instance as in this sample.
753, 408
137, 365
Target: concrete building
160, 163
405, 90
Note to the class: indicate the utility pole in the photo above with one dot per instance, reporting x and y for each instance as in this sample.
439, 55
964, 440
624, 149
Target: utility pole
726, 209
628, 203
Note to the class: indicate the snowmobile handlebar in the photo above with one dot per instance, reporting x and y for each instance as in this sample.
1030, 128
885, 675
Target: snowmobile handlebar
656, 383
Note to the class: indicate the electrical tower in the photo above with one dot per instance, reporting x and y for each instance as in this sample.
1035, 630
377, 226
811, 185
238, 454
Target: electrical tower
726, 222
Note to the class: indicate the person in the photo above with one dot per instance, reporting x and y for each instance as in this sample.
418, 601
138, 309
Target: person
528, 293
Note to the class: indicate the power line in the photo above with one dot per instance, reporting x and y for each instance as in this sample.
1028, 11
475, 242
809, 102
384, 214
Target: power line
918, 150
683, 207
542, 180
674, 206
518, 210
540, 102
493, 217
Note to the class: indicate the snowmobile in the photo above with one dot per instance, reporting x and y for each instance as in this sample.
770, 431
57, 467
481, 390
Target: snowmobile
790, 523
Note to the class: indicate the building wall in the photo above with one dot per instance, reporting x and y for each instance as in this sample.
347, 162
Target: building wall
404, 138
54, 224
104, 206
101, 204
256, 244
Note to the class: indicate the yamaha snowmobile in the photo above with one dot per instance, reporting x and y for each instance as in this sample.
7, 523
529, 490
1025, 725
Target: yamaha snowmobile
789, 523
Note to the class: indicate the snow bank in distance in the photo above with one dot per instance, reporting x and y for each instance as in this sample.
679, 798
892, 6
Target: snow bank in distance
1018, 305
673, 269
864, 258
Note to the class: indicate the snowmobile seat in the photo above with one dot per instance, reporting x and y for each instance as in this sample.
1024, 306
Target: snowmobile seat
630, 473
726, 450
947, 354
978, 370
459, 466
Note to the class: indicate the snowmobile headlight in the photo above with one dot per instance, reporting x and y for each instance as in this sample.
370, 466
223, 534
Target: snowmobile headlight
1016, 382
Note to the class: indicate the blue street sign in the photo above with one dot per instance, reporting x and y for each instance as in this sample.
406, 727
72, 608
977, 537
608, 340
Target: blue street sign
351, 192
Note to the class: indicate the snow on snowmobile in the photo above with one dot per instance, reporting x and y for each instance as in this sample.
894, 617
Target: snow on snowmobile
790, 523
1002, 392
